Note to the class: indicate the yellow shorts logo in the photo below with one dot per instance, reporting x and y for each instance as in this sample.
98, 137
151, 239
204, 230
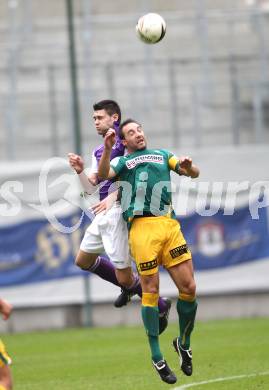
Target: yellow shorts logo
178, 251
148, 265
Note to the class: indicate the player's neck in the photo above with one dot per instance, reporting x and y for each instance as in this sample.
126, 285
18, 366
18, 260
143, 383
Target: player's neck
132, 151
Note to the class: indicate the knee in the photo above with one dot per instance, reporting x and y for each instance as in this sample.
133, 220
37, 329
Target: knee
189, 288
192, 288
85, 261
152, 290
6, 378
78, 262
150, 284
7, 382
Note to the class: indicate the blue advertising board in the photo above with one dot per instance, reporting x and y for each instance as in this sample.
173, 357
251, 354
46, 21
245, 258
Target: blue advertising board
35, 251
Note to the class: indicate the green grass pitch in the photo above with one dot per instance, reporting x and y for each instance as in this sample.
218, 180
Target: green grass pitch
118, 358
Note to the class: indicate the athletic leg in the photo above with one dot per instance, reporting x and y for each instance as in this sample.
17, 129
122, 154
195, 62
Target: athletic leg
89, 258
119, 254
132, 285
131, 282
5, 378
97, 265
182, 275
5, 372
150, 316
150, 313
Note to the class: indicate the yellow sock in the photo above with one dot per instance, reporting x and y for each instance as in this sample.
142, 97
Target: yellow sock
149, 299
2, 387
187, 297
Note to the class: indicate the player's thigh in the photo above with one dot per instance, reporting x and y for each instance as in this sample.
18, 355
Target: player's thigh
91, 244
146, 240
183, 277
175, 249
6, 377
115, 239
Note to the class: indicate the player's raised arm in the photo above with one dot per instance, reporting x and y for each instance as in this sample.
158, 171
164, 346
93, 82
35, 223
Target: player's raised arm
104, 169
187, 168
88, 182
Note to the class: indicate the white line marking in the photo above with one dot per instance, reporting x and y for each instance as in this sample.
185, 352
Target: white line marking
228, 378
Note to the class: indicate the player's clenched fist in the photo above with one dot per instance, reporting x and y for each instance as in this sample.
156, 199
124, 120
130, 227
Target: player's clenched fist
185, 162
76, 162
110, 138
185, 165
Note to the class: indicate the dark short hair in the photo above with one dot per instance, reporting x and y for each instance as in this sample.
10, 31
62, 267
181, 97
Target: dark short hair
110, 106
124, 123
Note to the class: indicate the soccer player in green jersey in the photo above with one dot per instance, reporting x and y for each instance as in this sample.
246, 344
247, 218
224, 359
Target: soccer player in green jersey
155, 236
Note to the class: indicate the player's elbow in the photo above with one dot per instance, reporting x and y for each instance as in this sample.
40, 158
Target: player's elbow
93, 181
103, 175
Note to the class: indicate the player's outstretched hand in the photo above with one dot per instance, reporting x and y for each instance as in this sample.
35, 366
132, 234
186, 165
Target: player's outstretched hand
5, 309
110, 139
99, 207
105, 204
76, 162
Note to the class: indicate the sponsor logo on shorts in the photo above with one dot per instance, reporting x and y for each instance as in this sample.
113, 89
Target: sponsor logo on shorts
148, 265
178, 251
145, 158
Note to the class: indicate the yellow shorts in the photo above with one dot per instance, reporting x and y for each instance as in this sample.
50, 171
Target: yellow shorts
157, 241
4, 358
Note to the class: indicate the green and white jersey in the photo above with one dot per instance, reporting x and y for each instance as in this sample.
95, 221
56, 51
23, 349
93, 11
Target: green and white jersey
145, 182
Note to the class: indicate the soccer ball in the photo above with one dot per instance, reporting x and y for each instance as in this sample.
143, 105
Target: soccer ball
151, 28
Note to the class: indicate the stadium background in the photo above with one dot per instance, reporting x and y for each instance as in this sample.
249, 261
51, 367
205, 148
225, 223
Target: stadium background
203, 91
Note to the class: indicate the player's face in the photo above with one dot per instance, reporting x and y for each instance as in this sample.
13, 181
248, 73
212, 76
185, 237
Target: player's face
103, 121
134, 138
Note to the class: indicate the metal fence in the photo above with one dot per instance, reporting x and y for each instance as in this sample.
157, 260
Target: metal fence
206, 84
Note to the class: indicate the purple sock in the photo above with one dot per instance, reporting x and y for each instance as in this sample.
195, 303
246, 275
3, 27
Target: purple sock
162, 305
105, 269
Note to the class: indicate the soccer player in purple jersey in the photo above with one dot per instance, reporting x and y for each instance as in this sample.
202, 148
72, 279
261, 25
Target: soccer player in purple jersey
108, 232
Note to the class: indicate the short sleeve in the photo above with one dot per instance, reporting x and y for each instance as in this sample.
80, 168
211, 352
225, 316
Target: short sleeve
172, 160
94, 166
117, 164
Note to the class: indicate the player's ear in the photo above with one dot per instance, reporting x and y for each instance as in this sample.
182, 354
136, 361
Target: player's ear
115, 117
124, 142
